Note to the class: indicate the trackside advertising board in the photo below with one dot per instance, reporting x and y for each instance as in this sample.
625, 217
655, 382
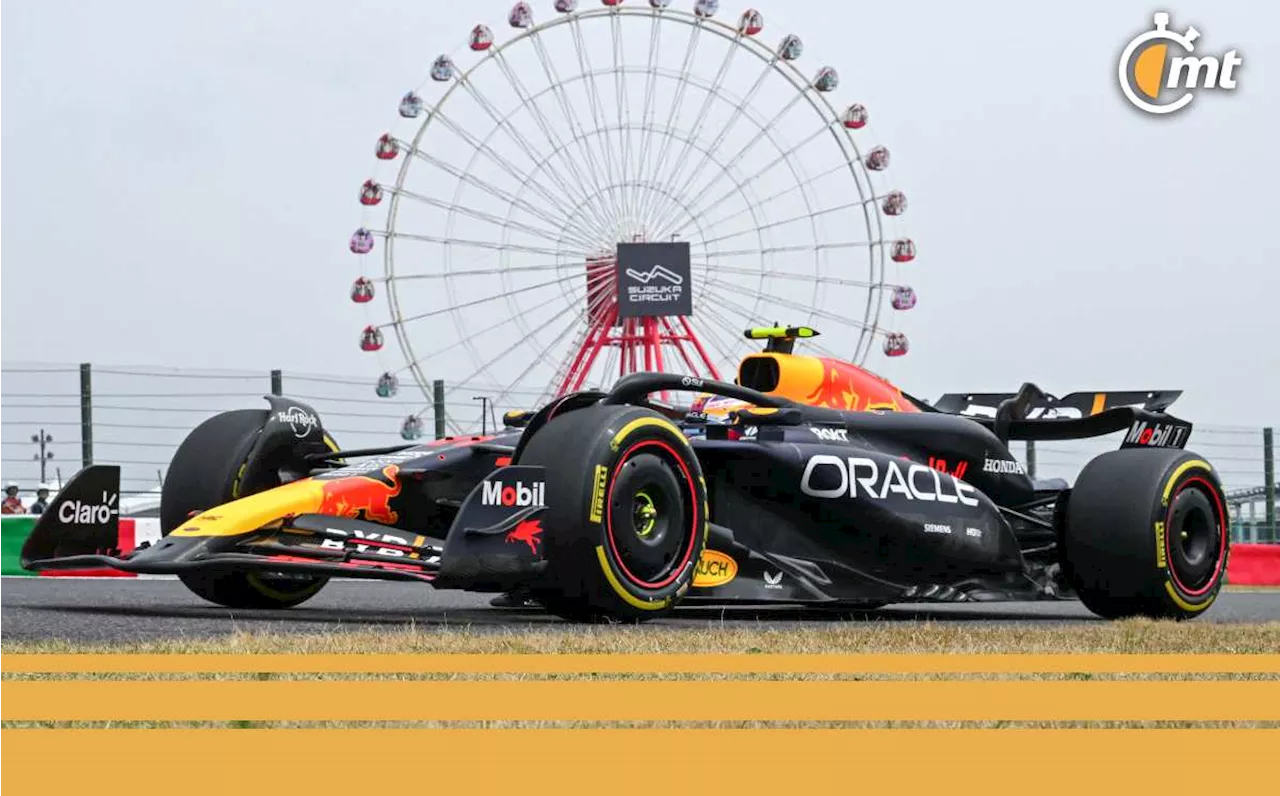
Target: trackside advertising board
15, 530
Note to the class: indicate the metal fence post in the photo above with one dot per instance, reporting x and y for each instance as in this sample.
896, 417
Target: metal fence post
1269, 482
86, 414
437, 388
1031, 458
277, 382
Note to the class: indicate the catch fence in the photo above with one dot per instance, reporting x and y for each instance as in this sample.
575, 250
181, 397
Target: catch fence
57, 417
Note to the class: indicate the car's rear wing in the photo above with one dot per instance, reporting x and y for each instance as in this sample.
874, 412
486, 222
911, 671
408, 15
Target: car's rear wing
1075, 406
1031, 414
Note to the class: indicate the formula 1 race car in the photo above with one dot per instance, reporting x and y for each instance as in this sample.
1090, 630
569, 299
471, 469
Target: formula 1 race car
824, 486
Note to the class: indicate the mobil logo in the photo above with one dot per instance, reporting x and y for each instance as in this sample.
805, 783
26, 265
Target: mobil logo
519, 494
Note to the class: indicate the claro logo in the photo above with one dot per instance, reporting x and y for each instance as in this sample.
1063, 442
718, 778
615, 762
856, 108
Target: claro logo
834, 477
75, 512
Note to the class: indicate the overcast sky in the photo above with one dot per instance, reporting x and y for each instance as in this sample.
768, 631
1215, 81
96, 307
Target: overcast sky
179, 180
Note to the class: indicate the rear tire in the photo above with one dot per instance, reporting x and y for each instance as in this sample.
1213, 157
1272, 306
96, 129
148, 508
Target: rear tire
1146, 534
206, 472
627, 510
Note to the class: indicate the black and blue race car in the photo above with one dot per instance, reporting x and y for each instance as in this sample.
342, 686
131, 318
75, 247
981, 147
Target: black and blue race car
616, 506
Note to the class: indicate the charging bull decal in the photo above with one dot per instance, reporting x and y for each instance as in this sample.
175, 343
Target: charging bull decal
363, 496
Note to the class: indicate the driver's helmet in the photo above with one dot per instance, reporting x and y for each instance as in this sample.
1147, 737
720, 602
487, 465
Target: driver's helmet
716, 409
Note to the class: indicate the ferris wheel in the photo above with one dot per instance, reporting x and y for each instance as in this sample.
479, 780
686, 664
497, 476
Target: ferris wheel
623, 188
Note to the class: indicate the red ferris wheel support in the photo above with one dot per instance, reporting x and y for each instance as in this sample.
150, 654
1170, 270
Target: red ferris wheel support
643, 340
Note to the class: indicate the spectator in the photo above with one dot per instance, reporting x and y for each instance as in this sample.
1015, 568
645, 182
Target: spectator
42, 500
12, 503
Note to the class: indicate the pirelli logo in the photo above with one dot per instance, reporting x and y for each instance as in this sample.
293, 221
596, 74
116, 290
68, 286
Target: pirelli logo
597, 493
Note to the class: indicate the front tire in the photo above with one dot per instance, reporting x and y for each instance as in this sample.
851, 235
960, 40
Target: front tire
208, 471
1146, 534
627, 509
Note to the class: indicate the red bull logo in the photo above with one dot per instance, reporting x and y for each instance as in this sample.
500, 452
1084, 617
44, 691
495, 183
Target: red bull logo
529, 532
363, 496
835, 391
846, 386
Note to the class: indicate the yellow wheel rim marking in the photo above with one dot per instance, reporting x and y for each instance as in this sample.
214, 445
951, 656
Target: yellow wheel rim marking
627, 597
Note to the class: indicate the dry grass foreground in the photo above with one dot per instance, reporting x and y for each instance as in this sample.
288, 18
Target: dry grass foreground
1131, 636
927, 638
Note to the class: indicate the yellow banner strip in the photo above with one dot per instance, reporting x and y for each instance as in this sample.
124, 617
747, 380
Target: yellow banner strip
638, 700
633, 664
198, 762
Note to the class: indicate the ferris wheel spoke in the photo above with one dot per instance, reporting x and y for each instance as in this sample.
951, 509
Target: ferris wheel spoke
677, 104
785, 221
813, 312
799, 185
751, 315
773, 274
520, 269
720, 332
480, 301
761, 135
582, 236
624, 116
558, 202
728, 127
533, 363
647, 112
787, 157
485, 244
593, 96
576, 128
784, 157
436, 352
804, 247
530, 101
505, 124
480, 215
700, 120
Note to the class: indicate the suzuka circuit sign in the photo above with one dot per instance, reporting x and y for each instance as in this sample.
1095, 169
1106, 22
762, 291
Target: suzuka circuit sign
654, 279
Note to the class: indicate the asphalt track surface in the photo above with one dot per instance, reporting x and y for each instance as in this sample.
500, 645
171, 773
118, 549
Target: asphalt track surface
126, 610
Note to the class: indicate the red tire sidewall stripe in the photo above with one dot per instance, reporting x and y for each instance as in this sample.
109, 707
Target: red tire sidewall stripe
1222, 537
608, 516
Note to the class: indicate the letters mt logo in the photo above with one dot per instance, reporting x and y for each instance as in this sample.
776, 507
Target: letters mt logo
1157, 81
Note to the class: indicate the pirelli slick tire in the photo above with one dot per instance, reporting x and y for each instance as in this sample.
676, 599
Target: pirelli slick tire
206, 472
626, 513
1146, 534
